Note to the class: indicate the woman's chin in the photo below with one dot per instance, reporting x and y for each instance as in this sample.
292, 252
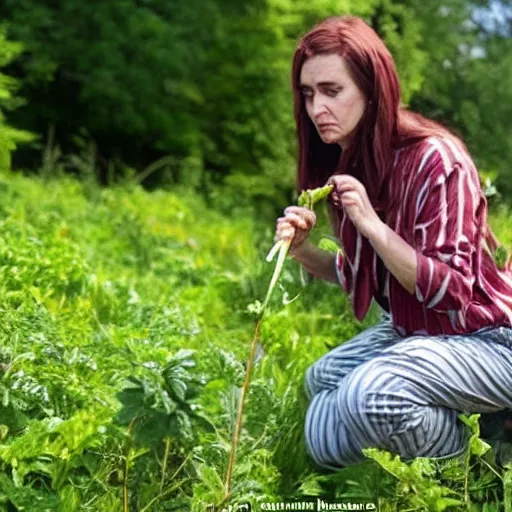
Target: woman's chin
330, 137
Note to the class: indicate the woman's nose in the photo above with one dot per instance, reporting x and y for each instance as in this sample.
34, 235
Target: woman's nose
318, 106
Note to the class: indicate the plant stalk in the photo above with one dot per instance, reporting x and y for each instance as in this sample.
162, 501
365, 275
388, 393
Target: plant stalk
307, 199
238, 424
166, 458
127, 468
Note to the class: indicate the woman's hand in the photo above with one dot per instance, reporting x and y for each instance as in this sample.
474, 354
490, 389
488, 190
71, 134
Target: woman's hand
295, 226
351, 195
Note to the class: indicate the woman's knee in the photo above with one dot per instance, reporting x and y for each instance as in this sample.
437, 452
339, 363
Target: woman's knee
381, 410
326, 439
334, 437
358, 399
310, 383
378, 407
360, 386
325, 374
336, 428
321, 376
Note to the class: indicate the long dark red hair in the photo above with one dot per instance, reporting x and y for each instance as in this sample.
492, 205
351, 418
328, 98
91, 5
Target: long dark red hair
385, 125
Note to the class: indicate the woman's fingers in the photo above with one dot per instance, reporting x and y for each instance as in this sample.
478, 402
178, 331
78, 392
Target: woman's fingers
301, 214
295, 225
349, 197
284, 232
295, 220
342, 184
343, 191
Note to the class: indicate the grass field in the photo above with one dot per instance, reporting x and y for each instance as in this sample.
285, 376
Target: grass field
127, 318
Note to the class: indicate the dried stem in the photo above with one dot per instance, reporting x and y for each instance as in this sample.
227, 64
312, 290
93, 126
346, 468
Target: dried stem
127, 468
166, 458
238, 424
308, 199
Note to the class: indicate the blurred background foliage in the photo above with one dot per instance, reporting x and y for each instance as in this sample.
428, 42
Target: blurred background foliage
198, 92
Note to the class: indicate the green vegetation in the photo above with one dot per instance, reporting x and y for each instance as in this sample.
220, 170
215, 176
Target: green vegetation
126, 322
127, 314
9, 136
203, 86
308, 198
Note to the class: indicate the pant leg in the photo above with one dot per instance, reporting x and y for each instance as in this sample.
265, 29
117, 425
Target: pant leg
330, 369
407, 399
495, 425
326, 374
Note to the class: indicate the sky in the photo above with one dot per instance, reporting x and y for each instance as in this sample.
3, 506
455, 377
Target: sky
497, 17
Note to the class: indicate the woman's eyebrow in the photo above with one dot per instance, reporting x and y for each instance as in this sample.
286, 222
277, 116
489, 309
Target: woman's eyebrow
320, 84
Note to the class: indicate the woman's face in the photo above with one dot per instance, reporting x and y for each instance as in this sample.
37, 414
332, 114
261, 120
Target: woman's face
332, 98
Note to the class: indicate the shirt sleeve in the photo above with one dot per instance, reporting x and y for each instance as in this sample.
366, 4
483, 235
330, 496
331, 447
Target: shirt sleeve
445, 233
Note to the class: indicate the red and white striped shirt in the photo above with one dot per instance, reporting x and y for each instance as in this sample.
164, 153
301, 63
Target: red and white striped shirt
437, 206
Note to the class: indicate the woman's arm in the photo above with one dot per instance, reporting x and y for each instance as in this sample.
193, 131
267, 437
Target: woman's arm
438, 269
317, 261
397, 255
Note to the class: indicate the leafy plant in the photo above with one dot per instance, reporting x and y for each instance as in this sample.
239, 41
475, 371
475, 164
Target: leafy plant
159, 408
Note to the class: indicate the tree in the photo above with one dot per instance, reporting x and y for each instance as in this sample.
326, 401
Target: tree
468, 81
9, 137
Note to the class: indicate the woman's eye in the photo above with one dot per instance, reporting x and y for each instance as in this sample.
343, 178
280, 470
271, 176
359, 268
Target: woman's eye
328, 92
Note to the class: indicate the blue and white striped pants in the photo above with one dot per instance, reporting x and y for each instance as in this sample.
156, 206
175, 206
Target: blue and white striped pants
404, 394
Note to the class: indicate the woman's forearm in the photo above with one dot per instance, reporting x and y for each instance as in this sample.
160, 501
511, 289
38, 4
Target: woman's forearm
316, 261
397, 255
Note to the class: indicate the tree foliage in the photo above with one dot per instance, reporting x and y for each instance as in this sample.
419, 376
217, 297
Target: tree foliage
468, 81
208, 82
8, 135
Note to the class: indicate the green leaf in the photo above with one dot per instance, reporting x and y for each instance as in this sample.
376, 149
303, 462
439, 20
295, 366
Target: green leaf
478, 446
328, 244
310, 197
318, 194
304, 198
179, 388
501, 256
183, 354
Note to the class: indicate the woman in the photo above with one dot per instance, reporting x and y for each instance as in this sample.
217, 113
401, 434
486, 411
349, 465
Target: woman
411, 217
